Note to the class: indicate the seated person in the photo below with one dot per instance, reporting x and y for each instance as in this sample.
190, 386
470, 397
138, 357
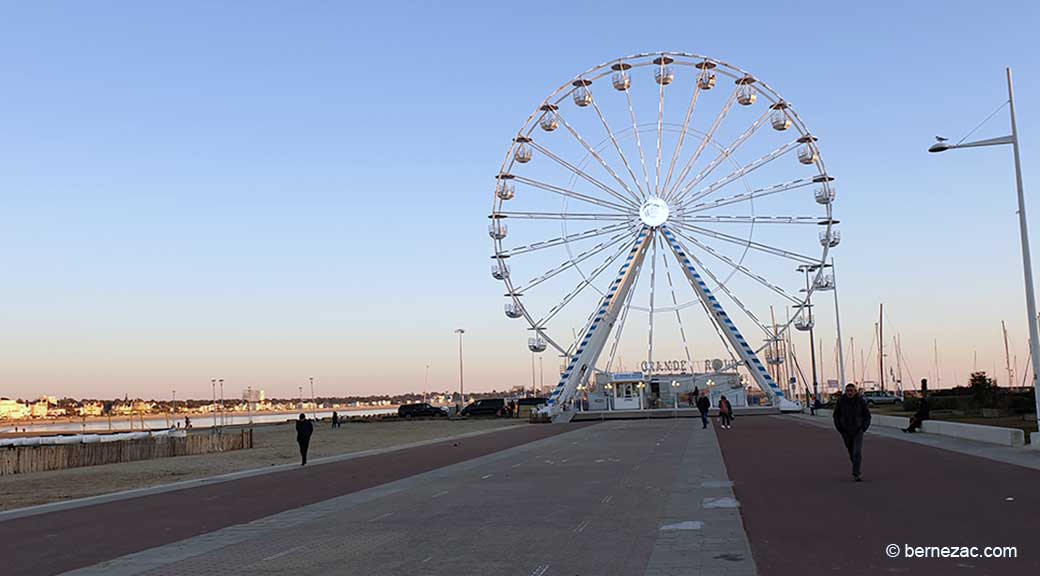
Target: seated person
919, 417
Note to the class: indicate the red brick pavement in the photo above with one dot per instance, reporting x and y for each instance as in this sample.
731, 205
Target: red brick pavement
804, 515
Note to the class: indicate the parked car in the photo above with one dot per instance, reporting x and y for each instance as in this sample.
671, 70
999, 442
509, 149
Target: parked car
486, 407
878, 397
420, 410
527, 406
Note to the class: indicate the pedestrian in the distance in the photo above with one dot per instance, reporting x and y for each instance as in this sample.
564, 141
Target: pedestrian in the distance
696, 394
335, 420
304, 429
703, 404
852, 418
726, 412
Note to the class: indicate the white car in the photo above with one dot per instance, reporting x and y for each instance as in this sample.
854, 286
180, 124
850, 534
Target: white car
878, 397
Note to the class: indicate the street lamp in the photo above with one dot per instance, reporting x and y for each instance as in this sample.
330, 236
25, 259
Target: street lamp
675, 393
1027, 266
221, 382
460, 332
426, 383
314, 403
213, 382
609, 389
812, 338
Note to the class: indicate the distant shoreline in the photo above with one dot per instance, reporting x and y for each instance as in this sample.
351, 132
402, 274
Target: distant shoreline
178, 417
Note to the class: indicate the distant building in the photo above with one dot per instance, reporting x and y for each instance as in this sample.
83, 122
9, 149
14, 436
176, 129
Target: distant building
39, 409
12, 410
92, 409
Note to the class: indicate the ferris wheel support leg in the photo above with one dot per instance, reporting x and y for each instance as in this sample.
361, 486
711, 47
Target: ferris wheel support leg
729, 330
598, 332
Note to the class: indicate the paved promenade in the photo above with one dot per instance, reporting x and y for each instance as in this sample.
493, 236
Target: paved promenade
661, 497
644, 497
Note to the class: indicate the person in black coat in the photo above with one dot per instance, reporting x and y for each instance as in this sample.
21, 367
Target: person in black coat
304, 429
852, 418
703, 404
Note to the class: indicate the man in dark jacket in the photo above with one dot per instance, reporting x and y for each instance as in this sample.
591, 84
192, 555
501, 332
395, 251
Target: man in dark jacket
304, 429
852, 418
703, 404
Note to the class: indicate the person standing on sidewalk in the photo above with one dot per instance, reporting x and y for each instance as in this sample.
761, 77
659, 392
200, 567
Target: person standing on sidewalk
852, 418
304, 429
726, 412
703, 404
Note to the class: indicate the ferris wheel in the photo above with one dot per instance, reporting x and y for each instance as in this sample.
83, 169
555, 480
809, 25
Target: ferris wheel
662, 205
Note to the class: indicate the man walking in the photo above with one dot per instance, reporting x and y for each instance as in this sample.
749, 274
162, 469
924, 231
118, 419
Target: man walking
852, 418
703, 404
304, 429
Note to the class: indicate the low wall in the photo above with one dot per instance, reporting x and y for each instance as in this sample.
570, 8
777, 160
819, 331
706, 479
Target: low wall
27, 459
976, 432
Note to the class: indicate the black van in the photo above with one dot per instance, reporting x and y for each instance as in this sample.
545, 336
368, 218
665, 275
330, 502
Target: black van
486, 407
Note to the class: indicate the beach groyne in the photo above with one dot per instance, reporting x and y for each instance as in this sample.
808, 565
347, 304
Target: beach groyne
26, 459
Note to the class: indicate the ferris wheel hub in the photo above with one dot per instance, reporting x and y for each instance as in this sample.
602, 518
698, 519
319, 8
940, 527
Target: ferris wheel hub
654, 212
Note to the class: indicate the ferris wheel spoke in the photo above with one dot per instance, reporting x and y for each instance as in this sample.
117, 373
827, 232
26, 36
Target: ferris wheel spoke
678, 315
570, 263
704, 143
722, 157
736, 265
800, 258
617, 147
660, 131
721, 286
639, 144
738, 173
571, 194
564, 216
718, 219
581, 286
748, 196
682, 135
563, 240
581, 173
653, 282
594, 154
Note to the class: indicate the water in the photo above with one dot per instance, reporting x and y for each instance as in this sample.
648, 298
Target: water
197, 421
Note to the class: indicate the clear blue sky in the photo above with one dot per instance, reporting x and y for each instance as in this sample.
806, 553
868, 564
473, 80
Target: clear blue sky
269, 191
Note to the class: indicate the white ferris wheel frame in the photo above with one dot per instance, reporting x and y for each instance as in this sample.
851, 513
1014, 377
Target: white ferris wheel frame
631, 232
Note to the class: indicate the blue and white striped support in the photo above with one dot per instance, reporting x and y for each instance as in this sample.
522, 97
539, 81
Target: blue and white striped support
758, 370
597, 323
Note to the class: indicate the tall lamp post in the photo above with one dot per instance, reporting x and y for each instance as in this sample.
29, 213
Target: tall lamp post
1027, 265
314, 403
812, 338
213, 382
460, 332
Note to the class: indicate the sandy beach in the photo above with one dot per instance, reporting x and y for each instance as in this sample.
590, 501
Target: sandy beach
273, 444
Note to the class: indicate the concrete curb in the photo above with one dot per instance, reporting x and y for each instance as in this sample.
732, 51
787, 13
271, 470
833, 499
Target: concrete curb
977, 432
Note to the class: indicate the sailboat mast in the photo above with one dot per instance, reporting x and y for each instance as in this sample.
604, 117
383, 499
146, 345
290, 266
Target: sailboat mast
1007, 356
881, 346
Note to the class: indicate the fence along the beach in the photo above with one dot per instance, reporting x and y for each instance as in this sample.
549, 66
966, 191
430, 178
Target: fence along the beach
28, 459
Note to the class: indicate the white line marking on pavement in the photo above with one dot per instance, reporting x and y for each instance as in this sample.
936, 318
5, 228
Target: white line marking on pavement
600, 460
517, 465
439, 494
540, 571
687, 525
607, 499
486, 476
280, 554
428, 558
381, 516
584, 524
724, 502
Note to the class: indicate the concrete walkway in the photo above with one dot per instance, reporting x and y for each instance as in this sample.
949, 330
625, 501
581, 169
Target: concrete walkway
627, 498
